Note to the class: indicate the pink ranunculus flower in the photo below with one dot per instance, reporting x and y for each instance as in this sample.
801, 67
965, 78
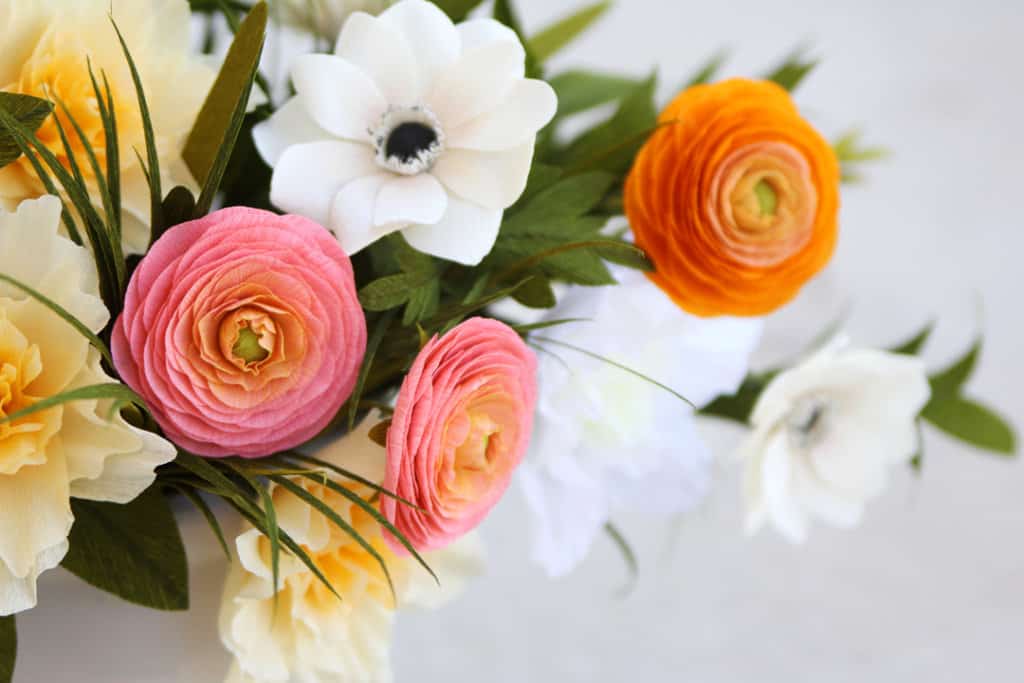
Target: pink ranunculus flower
243, 332
462, 423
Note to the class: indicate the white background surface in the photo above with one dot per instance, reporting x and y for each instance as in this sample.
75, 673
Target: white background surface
929, 589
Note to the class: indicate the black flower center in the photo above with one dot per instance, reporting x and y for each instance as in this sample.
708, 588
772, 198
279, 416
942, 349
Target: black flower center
408, 140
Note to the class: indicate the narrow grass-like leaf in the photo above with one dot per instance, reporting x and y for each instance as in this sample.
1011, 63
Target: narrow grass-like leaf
552, 39
113, 390
324, 509
8, 648
372, 346
211, 518
628, 556
620, 366
152, 155
369, 509
533, 327
108, 116
351, 475
64, 315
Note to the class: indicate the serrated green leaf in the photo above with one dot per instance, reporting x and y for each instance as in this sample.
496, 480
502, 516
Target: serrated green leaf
951, 380
115, 391
388, 292
552, 39
133, 551
8, 648
915, 344
549, 210
64, 315
972, 423
793, 70
457, 10
579, 91
423, 302
536, 293
215, 133
612, 145
30, 111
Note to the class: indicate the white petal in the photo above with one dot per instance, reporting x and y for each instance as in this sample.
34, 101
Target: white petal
529, 107
18, 594
309, 176
477, 33
290, 125
383, 53
567, 519
477, 83
339, 96
494, 180
430, 34
777, 480
466, 233
410, 199
352, 213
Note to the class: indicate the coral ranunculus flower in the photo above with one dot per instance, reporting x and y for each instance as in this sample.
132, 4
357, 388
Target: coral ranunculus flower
735, 199
462, 424
243, 332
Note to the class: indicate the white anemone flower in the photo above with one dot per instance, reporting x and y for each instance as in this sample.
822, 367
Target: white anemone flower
607, 440
76, 449
312, 636
413, 124
825, 435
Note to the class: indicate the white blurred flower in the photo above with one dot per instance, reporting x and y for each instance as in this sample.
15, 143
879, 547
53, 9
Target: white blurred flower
69, 450
322, 17
47, 48
314, 637
825, 434
606, 439
414, 124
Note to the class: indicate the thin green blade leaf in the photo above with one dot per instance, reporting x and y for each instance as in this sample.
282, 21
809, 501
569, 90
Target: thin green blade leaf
353, 476
208, 514
372, 346
628, 556
133, 551
558, 35
115, 391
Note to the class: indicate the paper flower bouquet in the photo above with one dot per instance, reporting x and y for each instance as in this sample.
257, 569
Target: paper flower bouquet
340, 308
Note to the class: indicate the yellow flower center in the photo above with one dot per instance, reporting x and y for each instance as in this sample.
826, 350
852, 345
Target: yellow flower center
57, 71
22, 441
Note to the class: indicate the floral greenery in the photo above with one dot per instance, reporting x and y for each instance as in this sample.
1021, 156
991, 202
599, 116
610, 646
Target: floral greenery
556, 232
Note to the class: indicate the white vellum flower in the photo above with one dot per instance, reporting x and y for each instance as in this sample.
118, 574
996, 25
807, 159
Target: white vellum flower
315, 637
606, 439
48, 46
322, 17
413, 124
825, 434
75, 449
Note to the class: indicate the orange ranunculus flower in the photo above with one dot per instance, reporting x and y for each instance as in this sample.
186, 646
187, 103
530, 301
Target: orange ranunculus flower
735, 200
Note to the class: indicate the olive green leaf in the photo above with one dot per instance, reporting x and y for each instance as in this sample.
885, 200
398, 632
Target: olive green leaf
30, 111
552, 39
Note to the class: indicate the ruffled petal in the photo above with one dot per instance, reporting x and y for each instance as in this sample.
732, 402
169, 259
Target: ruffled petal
466, 233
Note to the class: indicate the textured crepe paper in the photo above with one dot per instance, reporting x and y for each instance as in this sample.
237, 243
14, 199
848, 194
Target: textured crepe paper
168, 343
685, 197
462, 424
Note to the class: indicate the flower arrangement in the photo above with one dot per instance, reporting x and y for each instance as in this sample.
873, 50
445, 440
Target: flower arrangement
340, 323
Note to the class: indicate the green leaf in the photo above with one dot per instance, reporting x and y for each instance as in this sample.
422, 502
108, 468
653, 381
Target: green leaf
793, 70
179, 206
213, 137
612, 145
115, 391
388, 292
972, 423
372, 346
549, 210
852, 152
211, 519
8, 648
951, 380
708, 70
536, 293
457, 10
738, 407
915, 344
30, 111
580, 91
64, 315
542, 176
133, 551
556, 36
423, 302
624, 254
